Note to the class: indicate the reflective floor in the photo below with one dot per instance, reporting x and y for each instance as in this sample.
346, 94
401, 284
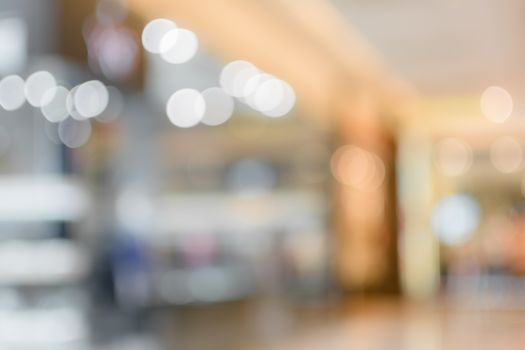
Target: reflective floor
375, 325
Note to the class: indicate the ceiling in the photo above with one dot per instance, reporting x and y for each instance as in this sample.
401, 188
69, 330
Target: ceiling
446, 46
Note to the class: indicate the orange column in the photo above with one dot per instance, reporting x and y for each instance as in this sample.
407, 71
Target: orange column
364, 215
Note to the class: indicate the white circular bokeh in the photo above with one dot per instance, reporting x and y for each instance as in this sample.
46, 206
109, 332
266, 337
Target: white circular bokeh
179, 46
219, 106
239, 87
506, 154
454, 156
286, 104
54, 106
496, 104
70, 104
74, 133
251, 86
269, 95
153, 33
186, 108
358, 168
37, 84
455, 218
12, 94
230, 72
91, 98
261, 91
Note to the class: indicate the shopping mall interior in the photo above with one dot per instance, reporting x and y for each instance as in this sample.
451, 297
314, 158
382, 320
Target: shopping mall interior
262, 174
